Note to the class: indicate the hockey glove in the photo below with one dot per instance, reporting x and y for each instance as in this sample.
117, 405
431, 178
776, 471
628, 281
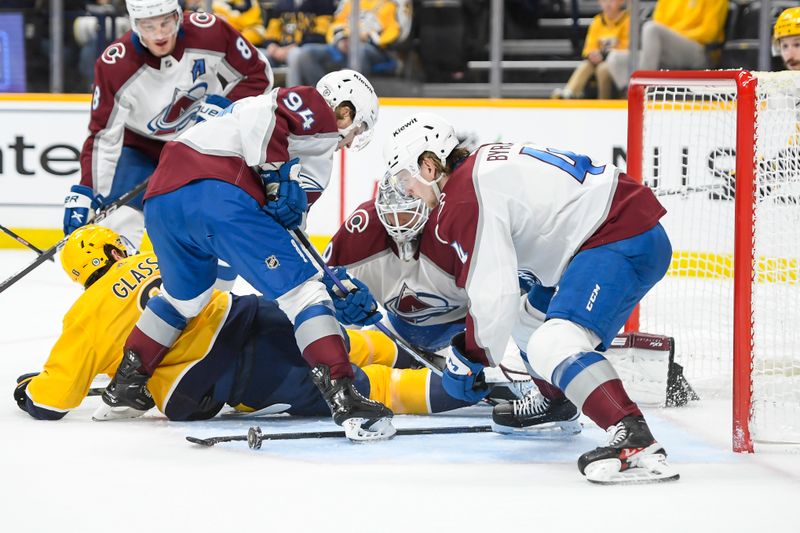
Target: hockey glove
358, 307
286, 199
463, 379
214, 106
77, 205
19, 391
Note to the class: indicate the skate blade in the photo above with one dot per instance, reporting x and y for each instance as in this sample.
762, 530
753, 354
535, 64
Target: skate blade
561, 429
105, 413
649, 469
368, 430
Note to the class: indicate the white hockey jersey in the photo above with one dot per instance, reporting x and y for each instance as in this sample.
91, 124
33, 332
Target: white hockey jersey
262, 131
516, 208
423, 303
142, 101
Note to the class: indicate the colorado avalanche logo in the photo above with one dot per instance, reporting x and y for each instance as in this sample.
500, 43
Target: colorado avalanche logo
113, 53
357, 222
180, 112
418, 307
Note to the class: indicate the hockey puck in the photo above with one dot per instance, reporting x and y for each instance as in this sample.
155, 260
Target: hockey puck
254, 438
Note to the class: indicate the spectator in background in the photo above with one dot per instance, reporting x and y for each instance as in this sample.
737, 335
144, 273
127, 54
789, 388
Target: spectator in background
244, 16
608, 31
294, 23
379, 29
86, 30
676, 38
786, 38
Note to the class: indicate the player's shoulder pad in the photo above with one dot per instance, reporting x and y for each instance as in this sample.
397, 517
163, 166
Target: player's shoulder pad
362, 235
303, 102
121, 55
207, 31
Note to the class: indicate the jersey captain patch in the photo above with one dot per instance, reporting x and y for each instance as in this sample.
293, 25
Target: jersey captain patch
418, 307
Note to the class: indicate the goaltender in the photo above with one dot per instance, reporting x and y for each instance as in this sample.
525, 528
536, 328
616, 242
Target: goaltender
240, 350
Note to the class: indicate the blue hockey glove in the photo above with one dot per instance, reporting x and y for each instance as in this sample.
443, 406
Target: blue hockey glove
286, 199
463, 379
77, 204
214, 106
358, 307
19, 391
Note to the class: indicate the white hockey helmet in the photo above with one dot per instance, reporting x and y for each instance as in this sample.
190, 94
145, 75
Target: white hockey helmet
142, 9
419, 133
351, 86
402, 216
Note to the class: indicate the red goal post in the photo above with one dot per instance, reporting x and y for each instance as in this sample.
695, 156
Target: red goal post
678, 120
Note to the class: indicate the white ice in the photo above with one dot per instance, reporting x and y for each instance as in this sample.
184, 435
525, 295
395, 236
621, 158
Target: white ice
78, 475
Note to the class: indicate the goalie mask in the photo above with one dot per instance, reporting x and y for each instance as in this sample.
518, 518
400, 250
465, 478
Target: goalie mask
140, 10
348, 86
403, 217
420, 133
88, 250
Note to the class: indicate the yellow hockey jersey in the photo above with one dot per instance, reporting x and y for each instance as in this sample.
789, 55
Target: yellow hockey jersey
95, 329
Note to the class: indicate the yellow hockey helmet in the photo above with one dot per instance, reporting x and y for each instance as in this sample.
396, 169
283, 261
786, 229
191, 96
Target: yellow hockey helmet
787, 25
87, 250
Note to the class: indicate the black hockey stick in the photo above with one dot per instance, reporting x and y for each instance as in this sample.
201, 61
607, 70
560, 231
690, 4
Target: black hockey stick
50, 252
254, 436
22, 241
424, 357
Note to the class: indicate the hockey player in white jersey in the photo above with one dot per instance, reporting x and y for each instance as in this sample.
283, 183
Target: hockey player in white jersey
584, 228
156, 81
208, 200
386, 247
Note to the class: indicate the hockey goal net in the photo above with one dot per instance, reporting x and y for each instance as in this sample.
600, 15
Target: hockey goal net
720, 149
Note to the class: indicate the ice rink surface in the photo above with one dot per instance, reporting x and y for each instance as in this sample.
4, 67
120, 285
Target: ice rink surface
141, 475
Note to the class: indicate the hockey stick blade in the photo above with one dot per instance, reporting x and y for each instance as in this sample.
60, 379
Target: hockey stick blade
255, 441
50, 252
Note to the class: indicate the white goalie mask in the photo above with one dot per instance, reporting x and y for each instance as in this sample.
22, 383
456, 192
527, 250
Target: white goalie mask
350, 86
419, 133
403, 217
140, 10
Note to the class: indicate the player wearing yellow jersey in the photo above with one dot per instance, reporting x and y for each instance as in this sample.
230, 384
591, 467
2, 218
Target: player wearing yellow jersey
239, 350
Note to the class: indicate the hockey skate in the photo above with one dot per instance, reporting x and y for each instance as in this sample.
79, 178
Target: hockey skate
536, 415
363, 420
126, 396
632, 456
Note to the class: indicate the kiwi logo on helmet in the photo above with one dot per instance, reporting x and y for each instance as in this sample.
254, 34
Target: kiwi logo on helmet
87, 250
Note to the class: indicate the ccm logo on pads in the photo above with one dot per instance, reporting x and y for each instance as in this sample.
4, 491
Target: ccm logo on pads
593, 297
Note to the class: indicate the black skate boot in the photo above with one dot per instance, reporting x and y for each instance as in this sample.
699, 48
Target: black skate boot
126, 396
631, 456
362, 419
535, 414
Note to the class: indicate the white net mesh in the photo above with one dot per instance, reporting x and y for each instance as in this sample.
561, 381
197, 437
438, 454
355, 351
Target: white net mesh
689, 151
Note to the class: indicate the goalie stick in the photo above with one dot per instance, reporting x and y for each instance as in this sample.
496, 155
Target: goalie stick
254, 436
50, 252
22, 241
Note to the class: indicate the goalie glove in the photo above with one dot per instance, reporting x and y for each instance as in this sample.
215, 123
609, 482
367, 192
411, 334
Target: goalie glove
358, 307
463, 379
214, 106
287, 202
77, 206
